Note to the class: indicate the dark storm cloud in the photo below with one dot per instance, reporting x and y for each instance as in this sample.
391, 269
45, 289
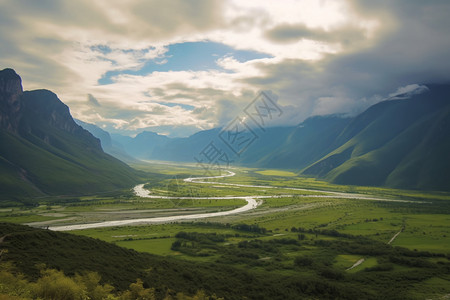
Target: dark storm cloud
412, 47
289, 33
414, 51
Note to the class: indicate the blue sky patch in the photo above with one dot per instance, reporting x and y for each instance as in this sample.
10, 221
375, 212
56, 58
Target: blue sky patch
189, 56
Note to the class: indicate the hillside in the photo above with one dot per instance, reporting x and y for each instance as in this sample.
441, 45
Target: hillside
44, 152
306, 143
395, 143
236, 275
108, 145
29, 248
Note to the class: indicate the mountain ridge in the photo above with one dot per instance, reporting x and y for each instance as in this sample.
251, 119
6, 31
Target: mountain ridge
386, 145
108, 145
384, 138
44, 152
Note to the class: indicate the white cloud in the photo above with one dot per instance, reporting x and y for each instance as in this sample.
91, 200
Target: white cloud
326, 56
405, 92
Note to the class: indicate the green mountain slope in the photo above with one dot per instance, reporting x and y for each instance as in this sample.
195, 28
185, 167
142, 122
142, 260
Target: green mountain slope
108, 145
302, 146
396, 143
43, 151
428, 164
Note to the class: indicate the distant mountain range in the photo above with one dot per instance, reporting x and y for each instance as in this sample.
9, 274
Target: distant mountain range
109, 145
44, 152
402, 143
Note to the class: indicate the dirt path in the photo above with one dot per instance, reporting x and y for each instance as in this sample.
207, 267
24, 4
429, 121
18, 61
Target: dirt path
2, 250
363, 259
395, 236
356, 264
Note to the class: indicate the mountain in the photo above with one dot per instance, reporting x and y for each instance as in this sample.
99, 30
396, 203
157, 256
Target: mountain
402, 142
306, 143
44, 152
108, 145
144, 144
102, 135
185, 149
395, 143
149, 145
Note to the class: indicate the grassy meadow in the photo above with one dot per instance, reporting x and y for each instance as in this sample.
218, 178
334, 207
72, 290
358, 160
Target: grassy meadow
317, 230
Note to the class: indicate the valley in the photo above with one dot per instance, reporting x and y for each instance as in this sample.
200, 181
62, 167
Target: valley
224, 150
297, 226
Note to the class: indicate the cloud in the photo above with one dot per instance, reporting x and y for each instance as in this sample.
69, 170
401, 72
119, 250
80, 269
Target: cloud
408, 50
93, 101
321, 57
291, 33
406, 92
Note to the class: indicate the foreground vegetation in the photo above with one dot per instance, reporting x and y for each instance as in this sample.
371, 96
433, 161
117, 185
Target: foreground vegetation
256, 265
54, 284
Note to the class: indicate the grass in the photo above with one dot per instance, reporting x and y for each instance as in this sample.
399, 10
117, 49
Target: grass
345, 261
276, 173
423, 243
368, 263
377, 220
22, 219
159, 246
432, 288
334, 233
276, 251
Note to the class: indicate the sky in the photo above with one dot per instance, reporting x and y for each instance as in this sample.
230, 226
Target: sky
179, 66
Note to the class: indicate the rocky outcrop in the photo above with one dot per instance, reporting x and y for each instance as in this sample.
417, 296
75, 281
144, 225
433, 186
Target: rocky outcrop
43, 151
10, 100
33, 112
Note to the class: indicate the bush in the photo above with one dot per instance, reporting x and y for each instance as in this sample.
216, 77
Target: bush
331, 273
380, 268
55, 285
303, 261
138, 292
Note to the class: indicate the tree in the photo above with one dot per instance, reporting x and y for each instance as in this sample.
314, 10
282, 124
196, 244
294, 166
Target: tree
94, 290
138, 292
13, 286
54, 285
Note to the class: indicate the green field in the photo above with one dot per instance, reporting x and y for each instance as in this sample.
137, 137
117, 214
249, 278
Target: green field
276, 173
312, 230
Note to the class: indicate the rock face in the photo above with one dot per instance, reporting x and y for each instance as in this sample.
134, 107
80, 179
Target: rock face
10, 100
32, 112
43, 110
44, 152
